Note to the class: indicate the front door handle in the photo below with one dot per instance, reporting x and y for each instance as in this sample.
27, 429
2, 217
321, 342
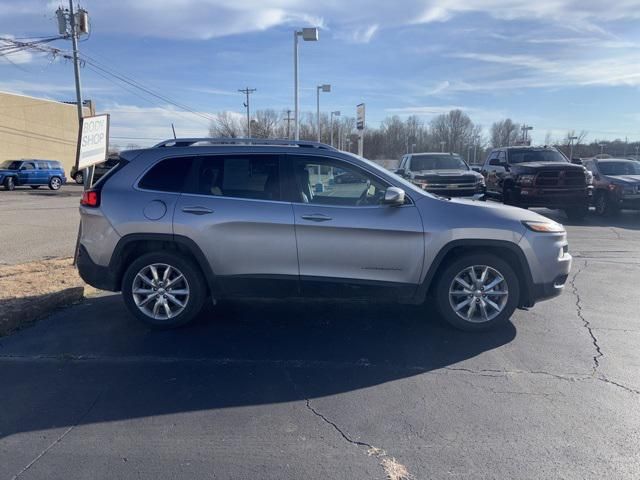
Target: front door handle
316, 217
197, 210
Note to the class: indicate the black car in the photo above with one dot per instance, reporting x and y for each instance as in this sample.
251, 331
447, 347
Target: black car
616, 184
100, 170
445, 174
537, 177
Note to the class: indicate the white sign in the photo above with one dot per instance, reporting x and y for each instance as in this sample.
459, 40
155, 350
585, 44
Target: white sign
93, 141
360, 116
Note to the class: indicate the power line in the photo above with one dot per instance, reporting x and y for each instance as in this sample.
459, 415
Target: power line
247, 91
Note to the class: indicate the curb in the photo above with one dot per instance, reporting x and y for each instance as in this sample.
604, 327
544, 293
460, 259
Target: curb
16, 313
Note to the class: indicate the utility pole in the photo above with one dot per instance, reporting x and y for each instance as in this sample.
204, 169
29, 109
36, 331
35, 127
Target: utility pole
288, 119
525, 133
247, 91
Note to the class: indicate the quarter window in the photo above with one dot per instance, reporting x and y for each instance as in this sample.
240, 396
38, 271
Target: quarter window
167, 176
240, 176
325, 181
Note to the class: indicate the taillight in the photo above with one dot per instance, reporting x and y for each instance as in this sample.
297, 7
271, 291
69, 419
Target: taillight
90, 198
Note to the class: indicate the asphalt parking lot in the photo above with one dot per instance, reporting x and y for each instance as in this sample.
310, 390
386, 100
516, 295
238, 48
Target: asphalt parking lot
38, 224
275, 390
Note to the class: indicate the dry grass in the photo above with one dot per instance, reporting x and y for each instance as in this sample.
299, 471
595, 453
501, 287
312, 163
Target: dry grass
394, 470
30, 290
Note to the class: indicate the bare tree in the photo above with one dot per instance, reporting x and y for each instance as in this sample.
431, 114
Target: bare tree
455, 129
504, 133
226, 125
265, 124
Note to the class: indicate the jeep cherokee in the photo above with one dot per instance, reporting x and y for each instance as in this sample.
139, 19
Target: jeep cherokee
191, 219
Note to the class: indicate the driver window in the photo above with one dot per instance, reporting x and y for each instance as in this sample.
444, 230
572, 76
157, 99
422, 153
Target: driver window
324, 181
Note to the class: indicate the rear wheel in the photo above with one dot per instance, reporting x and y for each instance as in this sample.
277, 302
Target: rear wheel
9, 183
477, 292
604, 205
163, 290
79, 178
55, 183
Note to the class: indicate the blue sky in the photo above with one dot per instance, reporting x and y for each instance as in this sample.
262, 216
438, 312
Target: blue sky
553, 64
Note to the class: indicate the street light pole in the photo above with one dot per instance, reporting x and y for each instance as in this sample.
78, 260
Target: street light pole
442, 144
324, 88
337, 114
475, 147
571, 139
308, 35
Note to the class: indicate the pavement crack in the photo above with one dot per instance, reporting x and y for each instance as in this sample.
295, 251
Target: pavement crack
619, 385
586, 323
496, 373
58, 439
337, 428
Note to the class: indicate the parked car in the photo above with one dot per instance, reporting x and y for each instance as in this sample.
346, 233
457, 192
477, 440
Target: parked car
616, 184
445, 174
538, 177
348, 177
100, 170
189, 219
32, 173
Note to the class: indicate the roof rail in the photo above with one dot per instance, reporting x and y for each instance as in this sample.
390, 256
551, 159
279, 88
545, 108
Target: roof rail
188, 142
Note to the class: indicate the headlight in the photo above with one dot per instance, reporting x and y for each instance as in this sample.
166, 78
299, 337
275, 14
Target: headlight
588, 176
544, 227
526, 179
480, 181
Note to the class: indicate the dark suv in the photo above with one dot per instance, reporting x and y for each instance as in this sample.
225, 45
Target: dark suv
445, 174
32, 173
537, 177
616, 182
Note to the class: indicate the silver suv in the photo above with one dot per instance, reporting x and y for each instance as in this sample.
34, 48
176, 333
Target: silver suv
191, 219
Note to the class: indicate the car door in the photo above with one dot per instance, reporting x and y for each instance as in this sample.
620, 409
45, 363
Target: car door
27, 175
232, 209
42, 173
494, 172
349, 242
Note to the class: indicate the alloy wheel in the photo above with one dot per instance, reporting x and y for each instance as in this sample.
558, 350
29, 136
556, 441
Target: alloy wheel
478, 293
160, 291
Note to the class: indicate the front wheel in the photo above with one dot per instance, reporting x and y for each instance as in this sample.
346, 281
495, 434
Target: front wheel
79, 178
577, 213
477, 292
55, 183
9, 183
163, 290
604, 205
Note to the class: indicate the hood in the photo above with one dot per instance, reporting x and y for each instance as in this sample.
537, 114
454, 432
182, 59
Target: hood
624, 179
447, 173
499, 210
548, 166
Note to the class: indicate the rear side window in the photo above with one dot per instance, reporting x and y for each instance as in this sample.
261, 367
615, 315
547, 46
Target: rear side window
240, 176
167, 175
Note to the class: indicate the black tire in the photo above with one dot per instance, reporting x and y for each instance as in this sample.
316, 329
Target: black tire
79, 178
194, 281
35, 187
508, 196
55, 183
445, 282
577, 213
10, 183
604, 205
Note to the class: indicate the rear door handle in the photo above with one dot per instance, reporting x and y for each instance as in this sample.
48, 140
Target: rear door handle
317, 217
197, 210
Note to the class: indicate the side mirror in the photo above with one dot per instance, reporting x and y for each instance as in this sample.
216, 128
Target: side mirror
400, 172
394, 196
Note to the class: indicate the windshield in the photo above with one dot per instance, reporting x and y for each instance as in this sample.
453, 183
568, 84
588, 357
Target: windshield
10, 164
529, 155
437, 162
619, 168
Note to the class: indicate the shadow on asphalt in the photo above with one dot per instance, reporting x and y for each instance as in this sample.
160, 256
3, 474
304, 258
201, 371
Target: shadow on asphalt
95, 357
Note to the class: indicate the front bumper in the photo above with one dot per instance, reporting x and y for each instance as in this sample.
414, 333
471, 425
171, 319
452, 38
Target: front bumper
552, 198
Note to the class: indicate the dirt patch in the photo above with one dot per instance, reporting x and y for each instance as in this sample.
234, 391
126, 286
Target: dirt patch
32, 290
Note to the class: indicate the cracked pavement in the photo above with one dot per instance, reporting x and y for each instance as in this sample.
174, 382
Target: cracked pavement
271, 390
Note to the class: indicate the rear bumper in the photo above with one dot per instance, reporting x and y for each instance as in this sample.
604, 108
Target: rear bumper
95, 275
